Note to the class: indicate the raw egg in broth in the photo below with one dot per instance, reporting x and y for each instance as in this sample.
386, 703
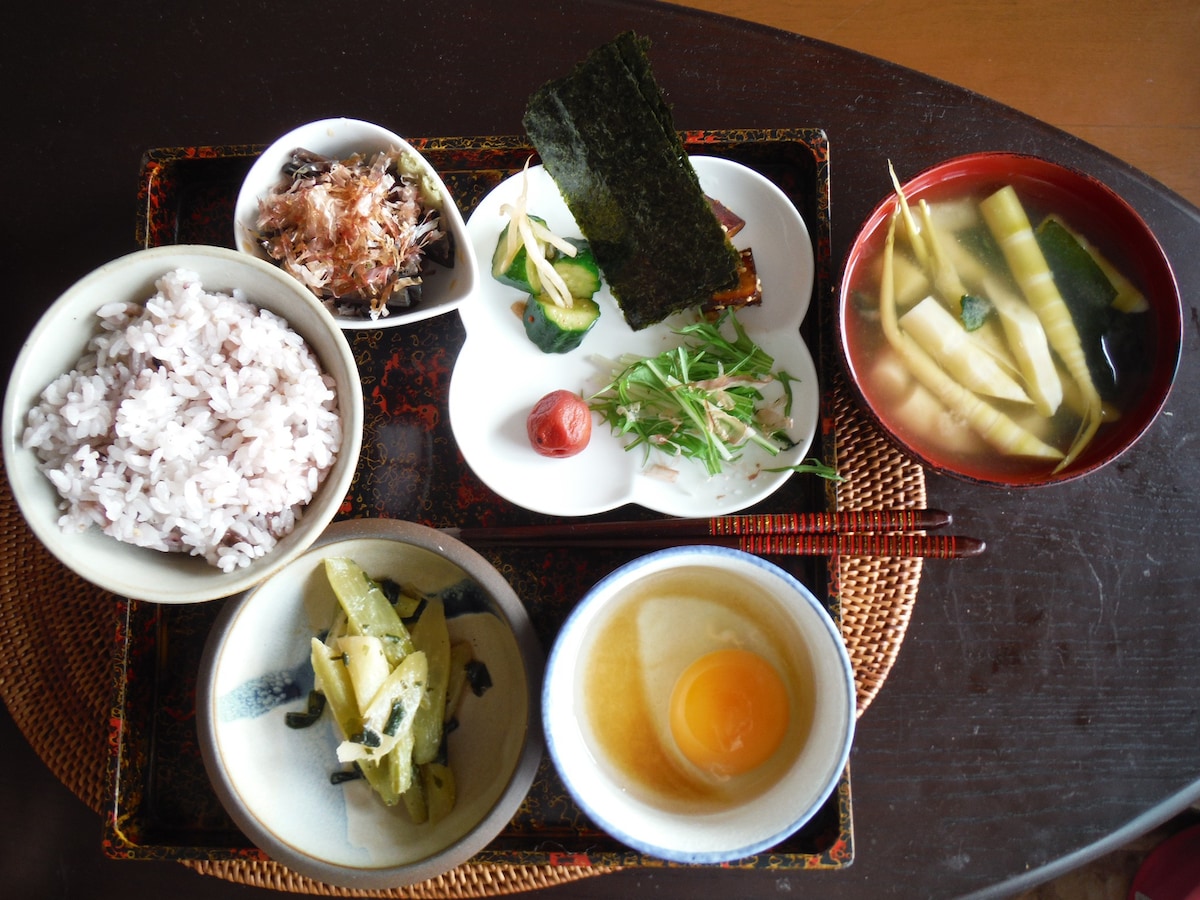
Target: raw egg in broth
729, 712
697, 691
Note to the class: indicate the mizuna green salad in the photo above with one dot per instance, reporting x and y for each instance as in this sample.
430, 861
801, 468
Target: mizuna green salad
703, 400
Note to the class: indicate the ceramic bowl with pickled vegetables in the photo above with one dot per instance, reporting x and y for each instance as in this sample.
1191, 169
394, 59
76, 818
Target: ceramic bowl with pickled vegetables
699, 704
181, 423
1009, 321
359, 217
369, 715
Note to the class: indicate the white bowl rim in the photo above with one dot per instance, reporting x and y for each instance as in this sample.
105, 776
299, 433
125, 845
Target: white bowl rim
267, 166
20, 465
553, 687
523, 774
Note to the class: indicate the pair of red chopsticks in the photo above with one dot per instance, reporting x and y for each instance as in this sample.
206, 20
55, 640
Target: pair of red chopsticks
896, 533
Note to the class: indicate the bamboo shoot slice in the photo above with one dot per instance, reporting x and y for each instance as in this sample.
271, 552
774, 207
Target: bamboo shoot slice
946, 280
943, 337
441, 791
911, 231
956, 216
921, 412
1010, 226
1027, 340
461, 655
414, 799
400, 768
1025, 336
950, 287
988, 422
332, 679
378, 775
912, 284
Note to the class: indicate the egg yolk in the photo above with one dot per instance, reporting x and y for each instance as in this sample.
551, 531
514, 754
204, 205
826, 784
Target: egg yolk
729, 712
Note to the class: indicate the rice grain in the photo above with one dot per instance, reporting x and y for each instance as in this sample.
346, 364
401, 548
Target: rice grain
195, 423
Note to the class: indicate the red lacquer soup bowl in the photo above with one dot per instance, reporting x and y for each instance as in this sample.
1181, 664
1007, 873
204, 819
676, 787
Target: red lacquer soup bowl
993, 388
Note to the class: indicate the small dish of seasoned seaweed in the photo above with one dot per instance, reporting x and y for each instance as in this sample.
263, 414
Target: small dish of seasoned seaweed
500, 373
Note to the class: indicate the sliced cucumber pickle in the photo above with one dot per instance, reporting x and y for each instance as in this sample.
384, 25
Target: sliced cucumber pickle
519, 273
558, 329
580, 272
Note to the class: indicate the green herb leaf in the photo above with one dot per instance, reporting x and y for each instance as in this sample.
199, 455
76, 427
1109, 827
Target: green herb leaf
394, 719
813, 466
366, 737
478, 677
702, 400
316, 706
975, 311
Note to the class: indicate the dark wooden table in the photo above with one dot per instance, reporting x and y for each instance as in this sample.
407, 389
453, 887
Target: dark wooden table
1044, 707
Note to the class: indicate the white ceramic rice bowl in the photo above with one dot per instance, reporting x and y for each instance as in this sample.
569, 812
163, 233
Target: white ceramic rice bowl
443, 290
275, 781
733, 832
56, 345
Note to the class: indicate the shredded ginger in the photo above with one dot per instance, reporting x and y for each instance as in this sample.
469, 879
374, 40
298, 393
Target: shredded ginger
354, 232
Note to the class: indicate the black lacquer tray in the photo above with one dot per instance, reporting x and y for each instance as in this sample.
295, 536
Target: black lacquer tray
162, 804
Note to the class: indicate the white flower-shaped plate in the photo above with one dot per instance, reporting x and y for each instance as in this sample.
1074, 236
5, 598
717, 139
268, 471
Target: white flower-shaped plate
500, 374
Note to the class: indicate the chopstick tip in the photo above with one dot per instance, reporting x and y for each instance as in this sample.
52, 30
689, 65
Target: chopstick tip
937, 518
968, 546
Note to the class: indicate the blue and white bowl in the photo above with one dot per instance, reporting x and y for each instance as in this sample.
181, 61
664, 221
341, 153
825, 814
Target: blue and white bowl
274, 781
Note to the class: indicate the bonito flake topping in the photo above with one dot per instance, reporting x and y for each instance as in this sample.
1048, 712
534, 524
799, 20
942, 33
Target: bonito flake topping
355, 232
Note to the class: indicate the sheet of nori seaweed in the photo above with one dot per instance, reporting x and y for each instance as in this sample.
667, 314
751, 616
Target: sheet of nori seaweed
606, 136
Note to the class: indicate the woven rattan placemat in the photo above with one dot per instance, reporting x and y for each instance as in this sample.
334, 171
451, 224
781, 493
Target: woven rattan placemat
57, 632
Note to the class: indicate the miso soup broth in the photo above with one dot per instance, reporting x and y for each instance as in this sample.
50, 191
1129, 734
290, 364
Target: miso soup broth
1110, 314
653, 640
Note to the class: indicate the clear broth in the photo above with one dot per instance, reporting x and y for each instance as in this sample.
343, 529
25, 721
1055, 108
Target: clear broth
652, 631
937, 434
